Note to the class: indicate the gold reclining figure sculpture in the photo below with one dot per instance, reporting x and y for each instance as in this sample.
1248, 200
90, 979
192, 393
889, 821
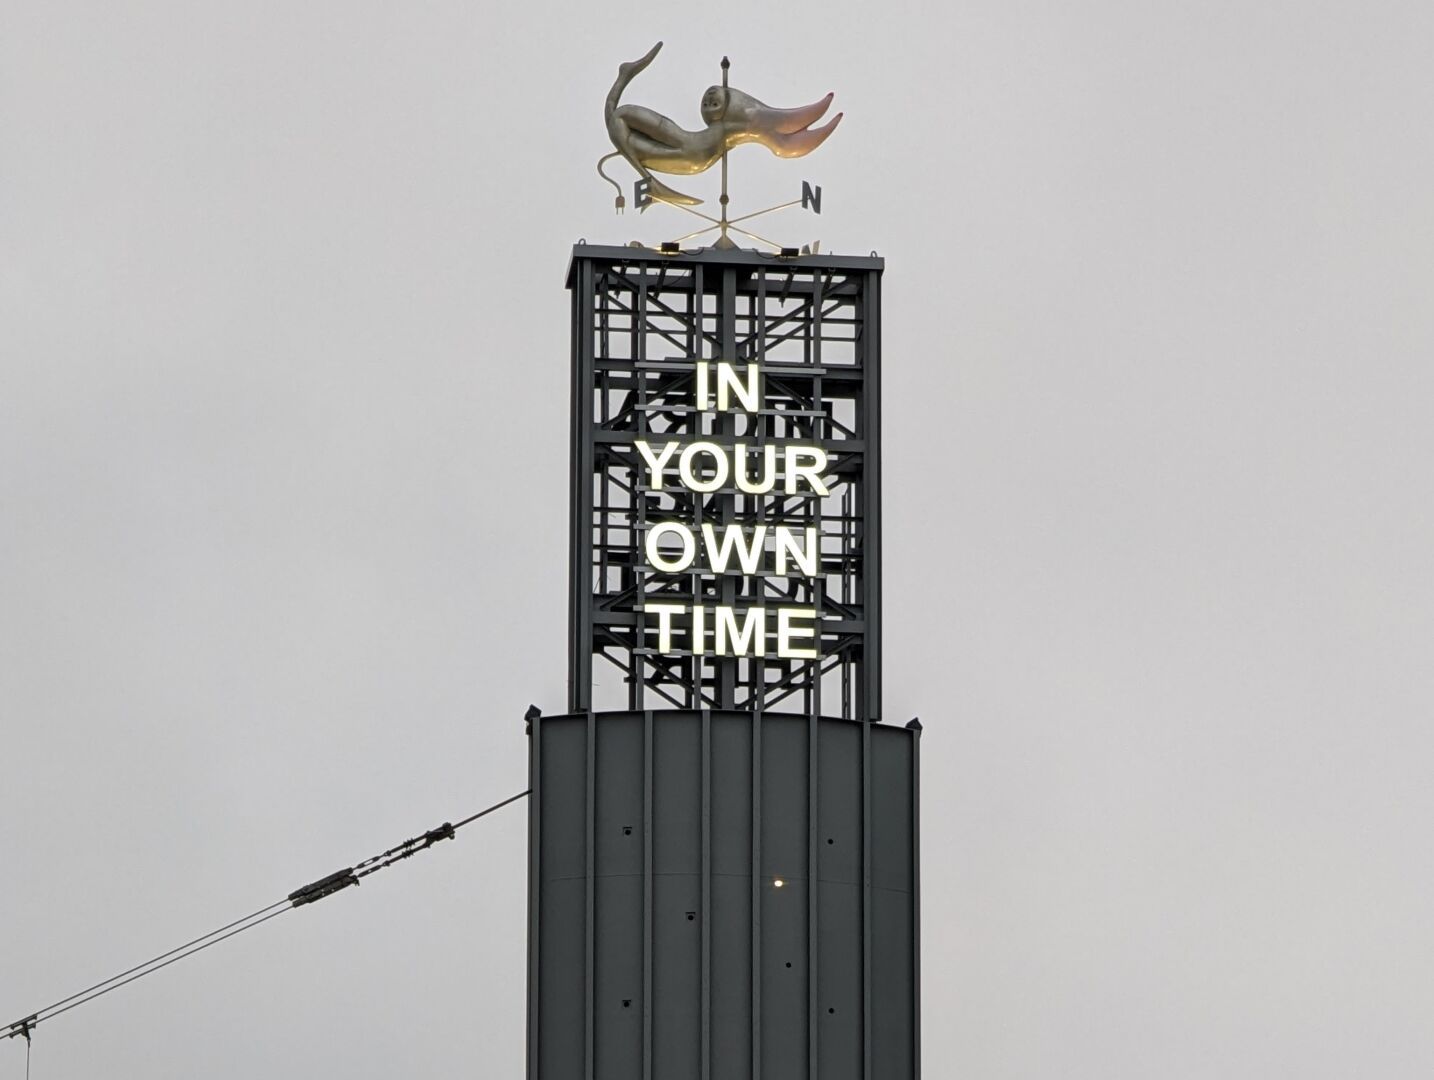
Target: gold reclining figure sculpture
652, 142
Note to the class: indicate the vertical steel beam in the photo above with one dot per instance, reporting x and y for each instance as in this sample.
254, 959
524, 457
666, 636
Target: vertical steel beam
580, 640
647, 895
706, 912
590, 906
813, 943
577, 545
727, 666
915, 728
757, 893
865, 900
535, 847
871, 502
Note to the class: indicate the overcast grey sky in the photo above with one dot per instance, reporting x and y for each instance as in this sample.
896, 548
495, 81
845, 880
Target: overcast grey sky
282, 326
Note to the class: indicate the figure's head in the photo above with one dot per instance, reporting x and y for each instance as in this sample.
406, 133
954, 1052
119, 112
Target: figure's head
714, 104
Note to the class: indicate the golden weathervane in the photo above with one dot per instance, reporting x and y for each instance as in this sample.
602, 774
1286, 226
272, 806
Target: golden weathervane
651, 142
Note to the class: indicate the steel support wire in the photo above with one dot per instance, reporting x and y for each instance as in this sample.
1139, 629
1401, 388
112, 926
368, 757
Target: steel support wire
308, 894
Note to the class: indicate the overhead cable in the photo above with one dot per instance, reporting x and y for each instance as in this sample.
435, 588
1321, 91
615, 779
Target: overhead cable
308, 894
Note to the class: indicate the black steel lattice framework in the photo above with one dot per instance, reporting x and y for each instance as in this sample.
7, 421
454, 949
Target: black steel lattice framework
640, 321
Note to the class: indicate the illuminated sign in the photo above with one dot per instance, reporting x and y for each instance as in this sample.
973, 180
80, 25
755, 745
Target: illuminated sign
703, 467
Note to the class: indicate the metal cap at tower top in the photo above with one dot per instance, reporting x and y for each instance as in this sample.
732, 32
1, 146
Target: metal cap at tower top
741, 257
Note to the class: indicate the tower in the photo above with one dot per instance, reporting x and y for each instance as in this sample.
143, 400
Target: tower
724, 837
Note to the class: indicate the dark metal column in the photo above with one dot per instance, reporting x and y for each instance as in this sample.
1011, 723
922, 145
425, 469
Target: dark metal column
871, 499
647, 895
590, 907
580, 588
727, 668
915, 725
535, 881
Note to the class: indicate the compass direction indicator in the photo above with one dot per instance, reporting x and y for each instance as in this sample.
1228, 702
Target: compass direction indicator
724, 225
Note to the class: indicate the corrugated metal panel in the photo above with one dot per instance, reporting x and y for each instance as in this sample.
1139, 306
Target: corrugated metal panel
661, 946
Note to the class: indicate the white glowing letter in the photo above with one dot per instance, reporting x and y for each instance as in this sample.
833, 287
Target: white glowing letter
689, 476
699, 630
747, 395
667, 564
786, 632
769, 470
657, 465
664, 623
787, 547
751, 635
749, 552
702, 397
813, 472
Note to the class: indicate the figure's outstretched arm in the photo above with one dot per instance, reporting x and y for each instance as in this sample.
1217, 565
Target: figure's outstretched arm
785, 132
